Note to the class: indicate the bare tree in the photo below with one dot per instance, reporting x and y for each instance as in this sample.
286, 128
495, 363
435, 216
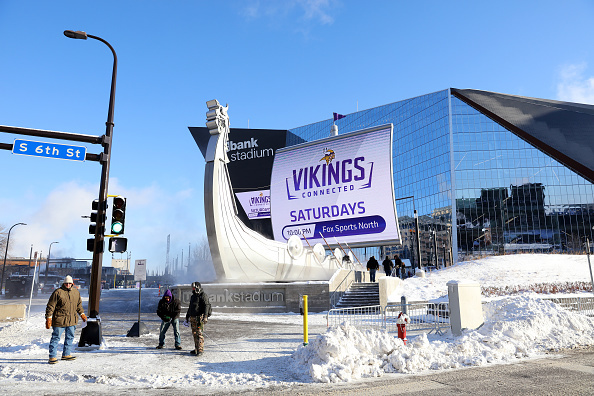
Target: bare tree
201, 267
3, 237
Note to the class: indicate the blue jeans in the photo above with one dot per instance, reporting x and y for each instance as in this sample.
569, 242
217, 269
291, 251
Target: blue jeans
372, 275
165, 327
68, 338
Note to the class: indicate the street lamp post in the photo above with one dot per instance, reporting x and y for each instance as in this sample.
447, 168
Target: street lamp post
93, 336
416, 222
49, 253
6, 253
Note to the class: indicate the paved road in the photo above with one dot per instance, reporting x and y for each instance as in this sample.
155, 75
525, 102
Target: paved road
568, 372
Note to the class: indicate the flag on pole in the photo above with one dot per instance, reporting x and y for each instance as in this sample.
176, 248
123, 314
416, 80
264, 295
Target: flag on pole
338, 116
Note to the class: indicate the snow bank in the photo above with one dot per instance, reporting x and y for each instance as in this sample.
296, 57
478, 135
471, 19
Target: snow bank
515, 327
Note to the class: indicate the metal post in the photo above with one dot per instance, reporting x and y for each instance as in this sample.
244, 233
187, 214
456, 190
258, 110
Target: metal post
418, 239
590, 264
30, 258
95, 287
47, 262
435, 247
6, 253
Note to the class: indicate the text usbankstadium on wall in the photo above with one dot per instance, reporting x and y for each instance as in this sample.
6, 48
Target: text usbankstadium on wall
339, 189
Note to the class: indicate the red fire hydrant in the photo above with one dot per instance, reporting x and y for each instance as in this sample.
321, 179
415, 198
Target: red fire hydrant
401, 323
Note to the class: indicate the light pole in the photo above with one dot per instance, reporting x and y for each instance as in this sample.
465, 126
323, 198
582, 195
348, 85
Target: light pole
6, 253
49, 253
416, 222
93, 336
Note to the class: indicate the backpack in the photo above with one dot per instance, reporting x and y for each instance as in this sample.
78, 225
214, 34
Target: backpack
207, 306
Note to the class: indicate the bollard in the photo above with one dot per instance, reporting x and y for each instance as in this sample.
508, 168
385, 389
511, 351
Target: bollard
404, 305
305, 320
401, 323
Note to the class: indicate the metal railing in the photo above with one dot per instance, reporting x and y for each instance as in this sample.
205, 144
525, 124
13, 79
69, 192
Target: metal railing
582, 305
341, 289
371, 317
424, 317
429, 317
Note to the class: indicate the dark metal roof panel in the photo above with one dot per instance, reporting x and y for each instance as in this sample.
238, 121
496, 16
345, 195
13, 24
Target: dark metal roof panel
563, 130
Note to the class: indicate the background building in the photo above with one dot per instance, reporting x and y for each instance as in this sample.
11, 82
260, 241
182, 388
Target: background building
487, 173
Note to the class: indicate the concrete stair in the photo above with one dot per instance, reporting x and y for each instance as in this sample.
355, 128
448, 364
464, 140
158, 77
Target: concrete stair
360, 295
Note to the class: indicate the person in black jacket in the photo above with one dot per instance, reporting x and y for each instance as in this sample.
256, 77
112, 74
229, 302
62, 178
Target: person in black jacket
387, 263
168, 310
198, 313
399, 265
372, 267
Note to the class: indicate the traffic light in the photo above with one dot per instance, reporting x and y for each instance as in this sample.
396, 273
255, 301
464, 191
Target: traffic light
118, 244
93, 226
118, 215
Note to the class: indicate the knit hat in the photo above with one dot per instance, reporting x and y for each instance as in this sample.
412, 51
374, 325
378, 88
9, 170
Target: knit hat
68, 279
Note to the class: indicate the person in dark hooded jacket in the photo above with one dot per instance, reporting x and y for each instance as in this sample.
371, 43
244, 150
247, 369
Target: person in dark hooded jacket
197, 315
168, 310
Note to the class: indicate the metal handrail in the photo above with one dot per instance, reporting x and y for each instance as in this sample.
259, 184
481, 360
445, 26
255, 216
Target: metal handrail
333, 301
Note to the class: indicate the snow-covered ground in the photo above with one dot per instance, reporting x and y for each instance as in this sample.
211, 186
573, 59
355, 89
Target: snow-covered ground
262, 350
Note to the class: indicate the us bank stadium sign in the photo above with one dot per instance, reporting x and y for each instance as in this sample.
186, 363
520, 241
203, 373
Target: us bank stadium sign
336, 189
244, 297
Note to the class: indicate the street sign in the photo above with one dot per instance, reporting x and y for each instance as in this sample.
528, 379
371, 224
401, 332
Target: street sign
140, 270
50, 150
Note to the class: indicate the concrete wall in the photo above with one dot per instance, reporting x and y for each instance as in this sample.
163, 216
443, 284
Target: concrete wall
12, 312
260, 297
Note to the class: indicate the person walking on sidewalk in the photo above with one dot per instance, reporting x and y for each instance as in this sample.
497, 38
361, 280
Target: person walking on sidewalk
198, 313
387, 263
372, 267
61, 314
168, 310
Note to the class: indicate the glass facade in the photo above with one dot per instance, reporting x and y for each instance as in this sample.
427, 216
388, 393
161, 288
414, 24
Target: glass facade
507, 195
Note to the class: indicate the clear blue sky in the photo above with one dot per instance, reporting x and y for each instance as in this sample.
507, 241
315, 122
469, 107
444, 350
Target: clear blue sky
278, 64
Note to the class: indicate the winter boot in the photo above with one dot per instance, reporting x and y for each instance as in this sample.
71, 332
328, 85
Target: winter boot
193, 352
159, 346
53, 360
178, 347
69, 357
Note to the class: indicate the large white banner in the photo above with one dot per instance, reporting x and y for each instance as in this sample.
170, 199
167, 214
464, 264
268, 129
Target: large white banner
338, 189
255, 203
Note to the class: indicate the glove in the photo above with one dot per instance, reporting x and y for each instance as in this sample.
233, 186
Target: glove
186, 323
48, 323
166, 318
204, 318
83, 317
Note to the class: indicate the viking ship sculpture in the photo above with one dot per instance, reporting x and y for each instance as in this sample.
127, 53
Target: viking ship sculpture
239, 253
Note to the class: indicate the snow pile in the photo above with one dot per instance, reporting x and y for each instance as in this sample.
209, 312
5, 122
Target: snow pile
512, 271
515, 327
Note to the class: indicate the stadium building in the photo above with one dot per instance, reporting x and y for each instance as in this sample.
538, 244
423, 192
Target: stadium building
487, 173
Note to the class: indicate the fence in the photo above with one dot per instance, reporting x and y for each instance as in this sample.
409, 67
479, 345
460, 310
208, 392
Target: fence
583, 305
424, 316
371, 317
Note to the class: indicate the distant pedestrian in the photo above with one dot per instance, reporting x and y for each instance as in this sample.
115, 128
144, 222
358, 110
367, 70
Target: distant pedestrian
61, 314
387, 263
168, 310
372, 267
399, 265
198, 313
